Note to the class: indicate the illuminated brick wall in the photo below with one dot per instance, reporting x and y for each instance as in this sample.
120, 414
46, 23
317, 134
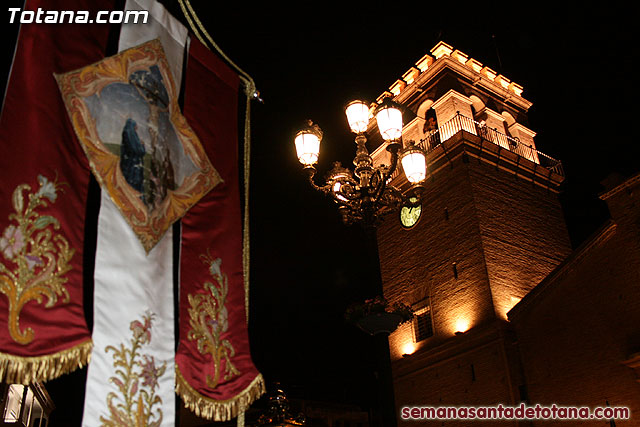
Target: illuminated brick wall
524, 236
498, 233
504, 236
477, 368
418, 263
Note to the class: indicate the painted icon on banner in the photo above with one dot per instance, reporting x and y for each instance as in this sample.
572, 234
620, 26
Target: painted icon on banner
140, 147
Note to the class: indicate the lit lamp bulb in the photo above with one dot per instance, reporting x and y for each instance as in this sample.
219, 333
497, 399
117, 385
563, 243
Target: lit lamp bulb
389, 119
414, 164
308, 144
357, 116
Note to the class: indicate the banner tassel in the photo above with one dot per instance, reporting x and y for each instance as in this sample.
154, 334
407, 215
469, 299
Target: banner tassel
218, 410
26, 370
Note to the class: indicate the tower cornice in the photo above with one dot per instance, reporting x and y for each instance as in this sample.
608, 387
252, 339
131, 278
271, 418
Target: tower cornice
476, 79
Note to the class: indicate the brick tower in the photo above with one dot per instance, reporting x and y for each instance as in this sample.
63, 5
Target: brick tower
490, 229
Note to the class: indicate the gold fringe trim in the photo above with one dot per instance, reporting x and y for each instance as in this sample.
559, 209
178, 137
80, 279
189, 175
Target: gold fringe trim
218, 410
27, 370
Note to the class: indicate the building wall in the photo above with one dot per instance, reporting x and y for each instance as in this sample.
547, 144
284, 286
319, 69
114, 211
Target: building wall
504, 235
524, 236
473, 369
418, 263
577, 328
499, 233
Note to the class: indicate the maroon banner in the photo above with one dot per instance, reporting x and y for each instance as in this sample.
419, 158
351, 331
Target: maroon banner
215, 375
44, 181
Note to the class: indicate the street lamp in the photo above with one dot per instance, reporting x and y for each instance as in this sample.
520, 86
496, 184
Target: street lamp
365, 194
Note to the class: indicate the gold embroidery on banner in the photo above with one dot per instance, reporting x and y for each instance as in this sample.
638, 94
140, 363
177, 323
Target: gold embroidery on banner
136, 379
39, 255
209, 320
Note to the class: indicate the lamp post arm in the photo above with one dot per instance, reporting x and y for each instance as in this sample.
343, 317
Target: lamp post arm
394, 196
393, 149
311, 172
348, 192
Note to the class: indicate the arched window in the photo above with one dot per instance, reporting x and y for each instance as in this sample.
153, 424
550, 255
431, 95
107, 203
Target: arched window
508, 118
476, 104
427, 122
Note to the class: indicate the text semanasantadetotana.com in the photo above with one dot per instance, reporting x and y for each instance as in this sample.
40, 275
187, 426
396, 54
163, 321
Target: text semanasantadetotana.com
522, 412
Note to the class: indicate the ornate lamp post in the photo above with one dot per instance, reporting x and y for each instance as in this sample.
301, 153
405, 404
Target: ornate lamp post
365, 194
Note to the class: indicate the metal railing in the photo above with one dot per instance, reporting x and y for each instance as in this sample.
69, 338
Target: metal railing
462, 123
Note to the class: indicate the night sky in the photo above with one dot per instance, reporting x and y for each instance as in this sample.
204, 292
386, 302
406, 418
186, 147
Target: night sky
577, 66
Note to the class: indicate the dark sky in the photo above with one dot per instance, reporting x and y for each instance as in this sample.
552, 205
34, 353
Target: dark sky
576, 66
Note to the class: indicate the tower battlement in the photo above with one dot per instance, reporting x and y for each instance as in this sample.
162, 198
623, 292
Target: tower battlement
418, 73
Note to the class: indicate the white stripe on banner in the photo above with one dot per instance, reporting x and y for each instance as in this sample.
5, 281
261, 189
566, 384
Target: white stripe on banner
162, 25
132, 365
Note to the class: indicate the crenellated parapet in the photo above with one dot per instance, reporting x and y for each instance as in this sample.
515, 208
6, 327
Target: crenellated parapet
444, 54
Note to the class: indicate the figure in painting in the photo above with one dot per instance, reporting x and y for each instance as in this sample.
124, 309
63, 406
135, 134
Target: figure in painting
159, 175
132, 154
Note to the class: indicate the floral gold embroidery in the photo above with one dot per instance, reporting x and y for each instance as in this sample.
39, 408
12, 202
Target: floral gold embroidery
208, 321
35, 257
136, 379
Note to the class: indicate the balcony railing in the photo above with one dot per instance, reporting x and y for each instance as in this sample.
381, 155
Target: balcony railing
459, 123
